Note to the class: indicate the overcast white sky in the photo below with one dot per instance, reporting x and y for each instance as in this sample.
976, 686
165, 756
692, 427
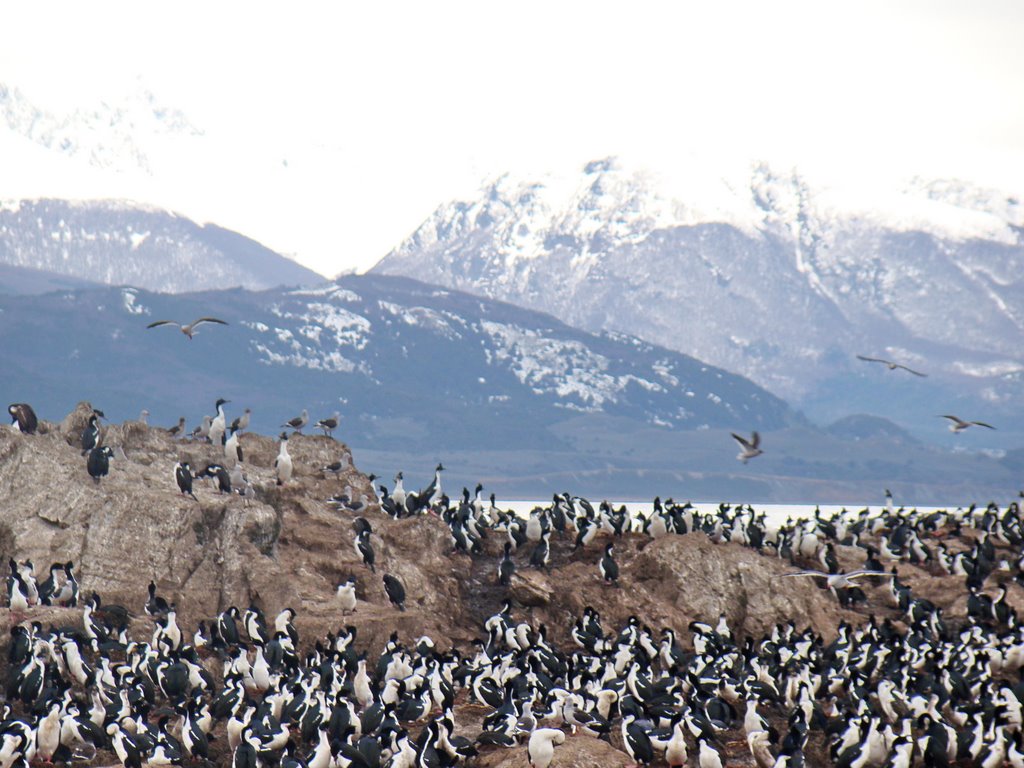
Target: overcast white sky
384, 110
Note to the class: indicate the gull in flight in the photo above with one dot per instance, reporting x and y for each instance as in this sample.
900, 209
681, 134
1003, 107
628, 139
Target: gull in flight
749, 448
891, 365
189, 329
841, 580
958, 425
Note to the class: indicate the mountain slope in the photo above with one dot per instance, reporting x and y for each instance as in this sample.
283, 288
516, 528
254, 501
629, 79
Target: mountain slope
419, 373
124, 244
767, 275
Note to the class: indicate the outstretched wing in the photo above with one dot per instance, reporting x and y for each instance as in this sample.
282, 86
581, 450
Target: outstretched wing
208, 320
910, 370
163, 322
807, 573
755, 439
872, 359
982, 424
858, 574
954, 419
741, 440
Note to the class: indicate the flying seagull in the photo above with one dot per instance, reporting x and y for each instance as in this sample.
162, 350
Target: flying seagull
749, 448
841, 580
958, 425
189, 329
890, 364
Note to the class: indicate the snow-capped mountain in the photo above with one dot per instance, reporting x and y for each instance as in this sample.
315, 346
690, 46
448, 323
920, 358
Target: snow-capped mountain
120, 145
125, 244
768, 274
390, 342
502, 394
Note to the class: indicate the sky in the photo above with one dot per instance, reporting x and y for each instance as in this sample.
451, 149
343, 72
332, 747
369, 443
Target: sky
331, 130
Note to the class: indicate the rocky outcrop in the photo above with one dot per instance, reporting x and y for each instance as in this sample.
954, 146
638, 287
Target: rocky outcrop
287, 547
284, 548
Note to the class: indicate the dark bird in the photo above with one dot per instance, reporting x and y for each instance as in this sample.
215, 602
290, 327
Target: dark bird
395, 590
218, 473
506, 567
98, 463
298, 422
749, 448
23, 415
178, 430
329, 424
189, 329
183, 477
608, 567
892, 366
91, 433
365, 549
958, 425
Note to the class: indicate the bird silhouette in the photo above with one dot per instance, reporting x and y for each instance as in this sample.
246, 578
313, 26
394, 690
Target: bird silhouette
188, 329
892, 366
958, 425
749, 448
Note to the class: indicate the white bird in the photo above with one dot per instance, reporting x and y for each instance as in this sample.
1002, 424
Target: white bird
958, 425
283, 462
708, 756
347, 596
190, 328
748, 448
232, 449
218, 424
890, 364
841, 580
541, 747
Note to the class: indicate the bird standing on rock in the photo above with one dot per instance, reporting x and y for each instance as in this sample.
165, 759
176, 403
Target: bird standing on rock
232, 449
346, 593
506, 567
219, 423
395, 591
329, 424
178, 430
283, 462
241, 423
23, 415
365, 549
183, 477
298, 422
541, 747
608, 567
98, 463
91, 433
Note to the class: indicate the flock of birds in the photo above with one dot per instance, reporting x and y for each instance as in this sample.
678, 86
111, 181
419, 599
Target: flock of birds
216, 429
751, 447
920, 687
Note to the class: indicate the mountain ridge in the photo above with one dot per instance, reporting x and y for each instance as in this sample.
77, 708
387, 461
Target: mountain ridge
778, 280
120, 242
